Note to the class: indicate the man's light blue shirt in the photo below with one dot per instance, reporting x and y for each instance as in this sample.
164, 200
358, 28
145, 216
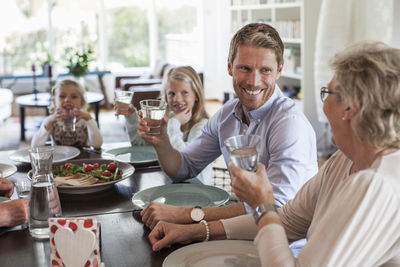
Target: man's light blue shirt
287, 149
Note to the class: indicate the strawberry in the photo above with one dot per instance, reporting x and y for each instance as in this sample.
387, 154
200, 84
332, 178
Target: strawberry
67, 165
96, 165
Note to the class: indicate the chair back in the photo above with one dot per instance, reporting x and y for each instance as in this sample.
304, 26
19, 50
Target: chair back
140, 94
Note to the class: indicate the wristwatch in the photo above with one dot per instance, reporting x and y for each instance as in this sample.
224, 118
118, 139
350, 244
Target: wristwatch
263, 209
197, 214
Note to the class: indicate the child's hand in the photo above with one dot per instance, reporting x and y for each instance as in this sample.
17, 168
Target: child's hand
121, 108
79, 114
58, 115
184, 116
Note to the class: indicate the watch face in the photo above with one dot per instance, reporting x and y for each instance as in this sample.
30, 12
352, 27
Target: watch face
197, 214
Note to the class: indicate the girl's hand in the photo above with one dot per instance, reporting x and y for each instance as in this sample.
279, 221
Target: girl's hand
58, 115
184, 116
125, 109
253, 188
79, 114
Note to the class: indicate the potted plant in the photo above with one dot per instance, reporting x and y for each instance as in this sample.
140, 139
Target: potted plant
78, 61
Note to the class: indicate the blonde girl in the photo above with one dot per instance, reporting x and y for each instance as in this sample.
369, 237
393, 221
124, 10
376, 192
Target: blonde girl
68, 100
183, 91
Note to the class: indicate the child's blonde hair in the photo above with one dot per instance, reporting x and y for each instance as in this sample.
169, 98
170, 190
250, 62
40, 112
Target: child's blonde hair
188, 75
67, 82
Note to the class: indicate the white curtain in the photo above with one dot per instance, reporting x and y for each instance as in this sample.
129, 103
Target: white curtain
342, 22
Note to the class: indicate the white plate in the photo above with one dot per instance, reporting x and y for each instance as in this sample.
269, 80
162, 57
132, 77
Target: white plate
132, 154
127, 171
215, 253
7, 170
181, 195
61, 153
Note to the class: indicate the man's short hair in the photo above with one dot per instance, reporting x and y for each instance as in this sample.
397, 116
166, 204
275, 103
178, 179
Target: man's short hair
257, 35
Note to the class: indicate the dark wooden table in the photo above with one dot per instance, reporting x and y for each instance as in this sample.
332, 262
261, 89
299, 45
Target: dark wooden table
42, 100
124, 237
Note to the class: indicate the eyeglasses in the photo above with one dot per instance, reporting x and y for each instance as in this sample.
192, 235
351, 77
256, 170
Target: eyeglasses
325, 92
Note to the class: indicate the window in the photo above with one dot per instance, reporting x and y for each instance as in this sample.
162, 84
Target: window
127, 33
122, 33
141, 32
23, 36
75, 26
179, 32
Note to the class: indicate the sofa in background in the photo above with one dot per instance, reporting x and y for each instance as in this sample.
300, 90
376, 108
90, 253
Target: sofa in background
6, 100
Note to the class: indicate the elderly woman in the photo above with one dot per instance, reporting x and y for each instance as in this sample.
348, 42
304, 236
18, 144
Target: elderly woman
350, 211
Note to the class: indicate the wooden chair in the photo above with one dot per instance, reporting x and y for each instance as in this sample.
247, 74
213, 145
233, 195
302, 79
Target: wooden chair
119, 78
154, 77
144, 92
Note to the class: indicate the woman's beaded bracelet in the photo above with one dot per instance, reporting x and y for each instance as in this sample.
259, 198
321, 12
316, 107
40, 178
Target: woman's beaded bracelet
207, 230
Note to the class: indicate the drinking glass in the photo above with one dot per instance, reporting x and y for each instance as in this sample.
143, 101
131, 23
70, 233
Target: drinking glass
69, 120
123, 97
23, 188
153, 111
243, 151
44, 201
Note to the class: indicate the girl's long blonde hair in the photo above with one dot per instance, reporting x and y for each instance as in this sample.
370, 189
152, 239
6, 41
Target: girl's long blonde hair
188, 75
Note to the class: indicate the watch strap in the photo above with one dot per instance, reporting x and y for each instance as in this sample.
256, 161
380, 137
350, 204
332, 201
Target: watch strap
263, 209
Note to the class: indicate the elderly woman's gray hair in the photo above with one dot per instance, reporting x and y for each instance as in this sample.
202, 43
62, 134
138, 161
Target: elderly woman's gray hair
368, 74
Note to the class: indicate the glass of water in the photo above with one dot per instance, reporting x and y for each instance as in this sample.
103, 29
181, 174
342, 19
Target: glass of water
153, 111
124, 97
23, 187
44, 201
69, 119
243, 151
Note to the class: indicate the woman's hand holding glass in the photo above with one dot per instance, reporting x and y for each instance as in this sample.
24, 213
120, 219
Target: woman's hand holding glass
253, 188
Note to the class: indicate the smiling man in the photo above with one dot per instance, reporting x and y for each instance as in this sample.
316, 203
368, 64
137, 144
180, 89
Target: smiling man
288, 146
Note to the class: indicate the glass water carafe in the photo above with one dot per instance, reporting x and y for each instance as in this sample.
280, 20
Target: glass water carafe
44, 201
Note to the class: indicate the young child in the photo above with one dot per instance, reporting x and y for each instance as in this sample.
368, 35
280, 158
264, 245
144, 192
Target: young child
183, 91
68, 101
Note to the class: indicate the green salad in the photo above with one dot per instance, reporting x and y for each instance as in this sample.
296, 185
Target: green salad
103, 172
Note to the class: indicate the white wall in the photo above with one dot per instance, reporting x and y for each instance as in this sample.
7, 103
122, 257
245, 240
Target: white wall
396, 23
216, 47
310, 17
